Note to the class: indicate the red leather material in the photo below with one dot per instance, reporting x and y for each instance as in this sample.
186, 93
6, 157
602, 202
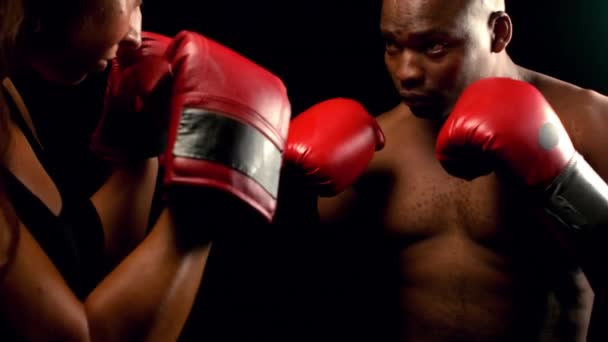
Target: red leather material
506, 124
210, 77
332, 142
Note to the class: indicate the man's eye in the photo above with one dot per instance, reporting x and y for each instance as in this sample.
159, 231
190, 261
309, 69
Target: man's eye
391, 46
436, 49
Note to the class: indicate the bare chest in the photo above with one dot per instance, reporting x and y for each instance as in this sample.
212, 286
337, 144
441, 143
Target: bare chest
423, 201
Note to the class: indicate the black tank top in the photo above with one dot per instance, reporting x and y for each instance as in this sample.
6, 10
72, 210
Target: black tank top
73, 240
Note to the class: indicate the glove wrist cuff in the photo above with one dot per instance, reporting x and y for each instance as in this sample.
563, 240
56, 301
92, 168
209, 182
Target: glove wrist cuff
578, 198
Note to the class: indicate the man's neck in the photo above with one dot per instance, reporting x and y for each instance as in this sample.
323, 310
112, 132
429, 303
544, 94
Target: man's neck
505, 67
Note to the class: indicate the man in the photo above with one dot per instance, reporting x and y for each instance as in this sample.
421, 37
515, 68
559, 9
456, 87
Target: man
475, 260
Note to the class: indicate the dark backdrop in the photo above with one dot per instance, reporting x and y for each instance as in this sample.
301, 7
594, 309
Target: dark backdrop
303, 285
326, 48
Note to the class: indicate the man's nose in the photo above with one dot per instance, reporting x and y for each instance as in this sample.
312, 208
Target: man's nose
410, 72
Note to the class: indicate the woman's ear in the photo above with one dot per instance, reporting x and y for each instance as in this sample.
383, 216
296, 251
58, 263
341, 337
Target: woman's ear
502, 30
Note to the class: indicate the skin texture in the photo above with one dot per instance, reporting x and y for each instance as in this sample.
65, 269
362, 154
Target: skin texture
474, 260
149, 290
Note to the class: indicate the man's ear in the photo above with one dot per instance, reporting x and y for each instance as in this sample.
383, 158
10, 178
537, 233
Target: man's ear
502, 30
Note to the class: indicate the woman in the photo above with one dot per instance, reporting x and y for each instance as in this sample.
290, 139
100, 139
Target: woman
54, 245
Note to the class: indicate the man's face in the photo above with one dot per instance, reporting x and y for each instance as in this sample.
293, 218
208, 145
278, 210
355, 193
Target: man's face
89, 48
434, 49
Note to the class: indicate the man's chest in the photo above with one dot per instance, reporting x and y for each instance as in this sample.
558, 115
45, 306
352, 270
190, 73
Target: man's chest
421, 200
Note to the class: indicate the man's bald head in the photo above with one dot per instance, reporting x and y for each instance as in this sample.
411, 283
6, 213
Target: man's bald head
461, 12
477, 9
438, 47
484, 8
495, 5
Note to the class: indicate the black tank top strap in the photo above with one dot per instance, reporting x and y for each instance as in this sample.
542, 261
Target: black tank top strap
74, 240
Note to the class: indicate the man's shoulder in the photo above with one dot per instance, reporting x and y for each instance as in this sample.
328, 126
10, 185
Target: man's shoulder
568, 98
583, 111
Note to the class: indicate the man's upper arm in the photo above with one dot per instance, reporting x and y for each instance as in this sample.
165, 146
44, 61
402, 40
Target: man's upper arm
592, 125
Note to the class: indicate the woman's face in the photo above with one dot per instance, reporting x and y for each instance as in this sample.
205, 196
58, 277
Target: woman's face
113, 23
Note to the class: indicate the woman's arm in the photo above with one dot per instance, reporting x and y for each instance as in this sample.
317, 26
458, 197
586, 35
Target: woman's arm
123, 204
147, 297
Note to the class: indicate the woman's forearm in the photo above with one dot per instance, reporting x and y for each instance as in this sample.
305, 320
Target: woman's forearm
147, 297
150, 294
123, 204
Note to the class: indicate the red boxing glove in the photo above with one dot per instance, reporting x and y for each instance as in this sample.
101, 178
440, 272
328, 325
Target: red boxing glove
228, 124
507, 125
134, 119
332, 143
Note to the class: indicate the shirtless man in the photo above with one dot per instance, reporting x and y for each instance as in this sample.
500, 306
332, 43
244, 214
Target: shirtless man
476, 262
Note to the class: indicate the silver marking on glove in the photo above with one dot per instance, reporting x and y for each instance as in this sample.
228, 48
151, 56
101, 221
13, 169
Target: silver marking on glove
548, 136
578, 198
214, 137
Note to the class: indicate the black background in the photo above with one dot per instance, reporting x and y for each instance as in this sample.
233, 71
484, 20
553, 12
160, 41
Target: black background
312, 285
330, 48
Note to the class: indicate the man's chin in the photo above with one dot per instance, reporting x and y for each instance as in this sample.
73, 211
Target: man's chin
428, 112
